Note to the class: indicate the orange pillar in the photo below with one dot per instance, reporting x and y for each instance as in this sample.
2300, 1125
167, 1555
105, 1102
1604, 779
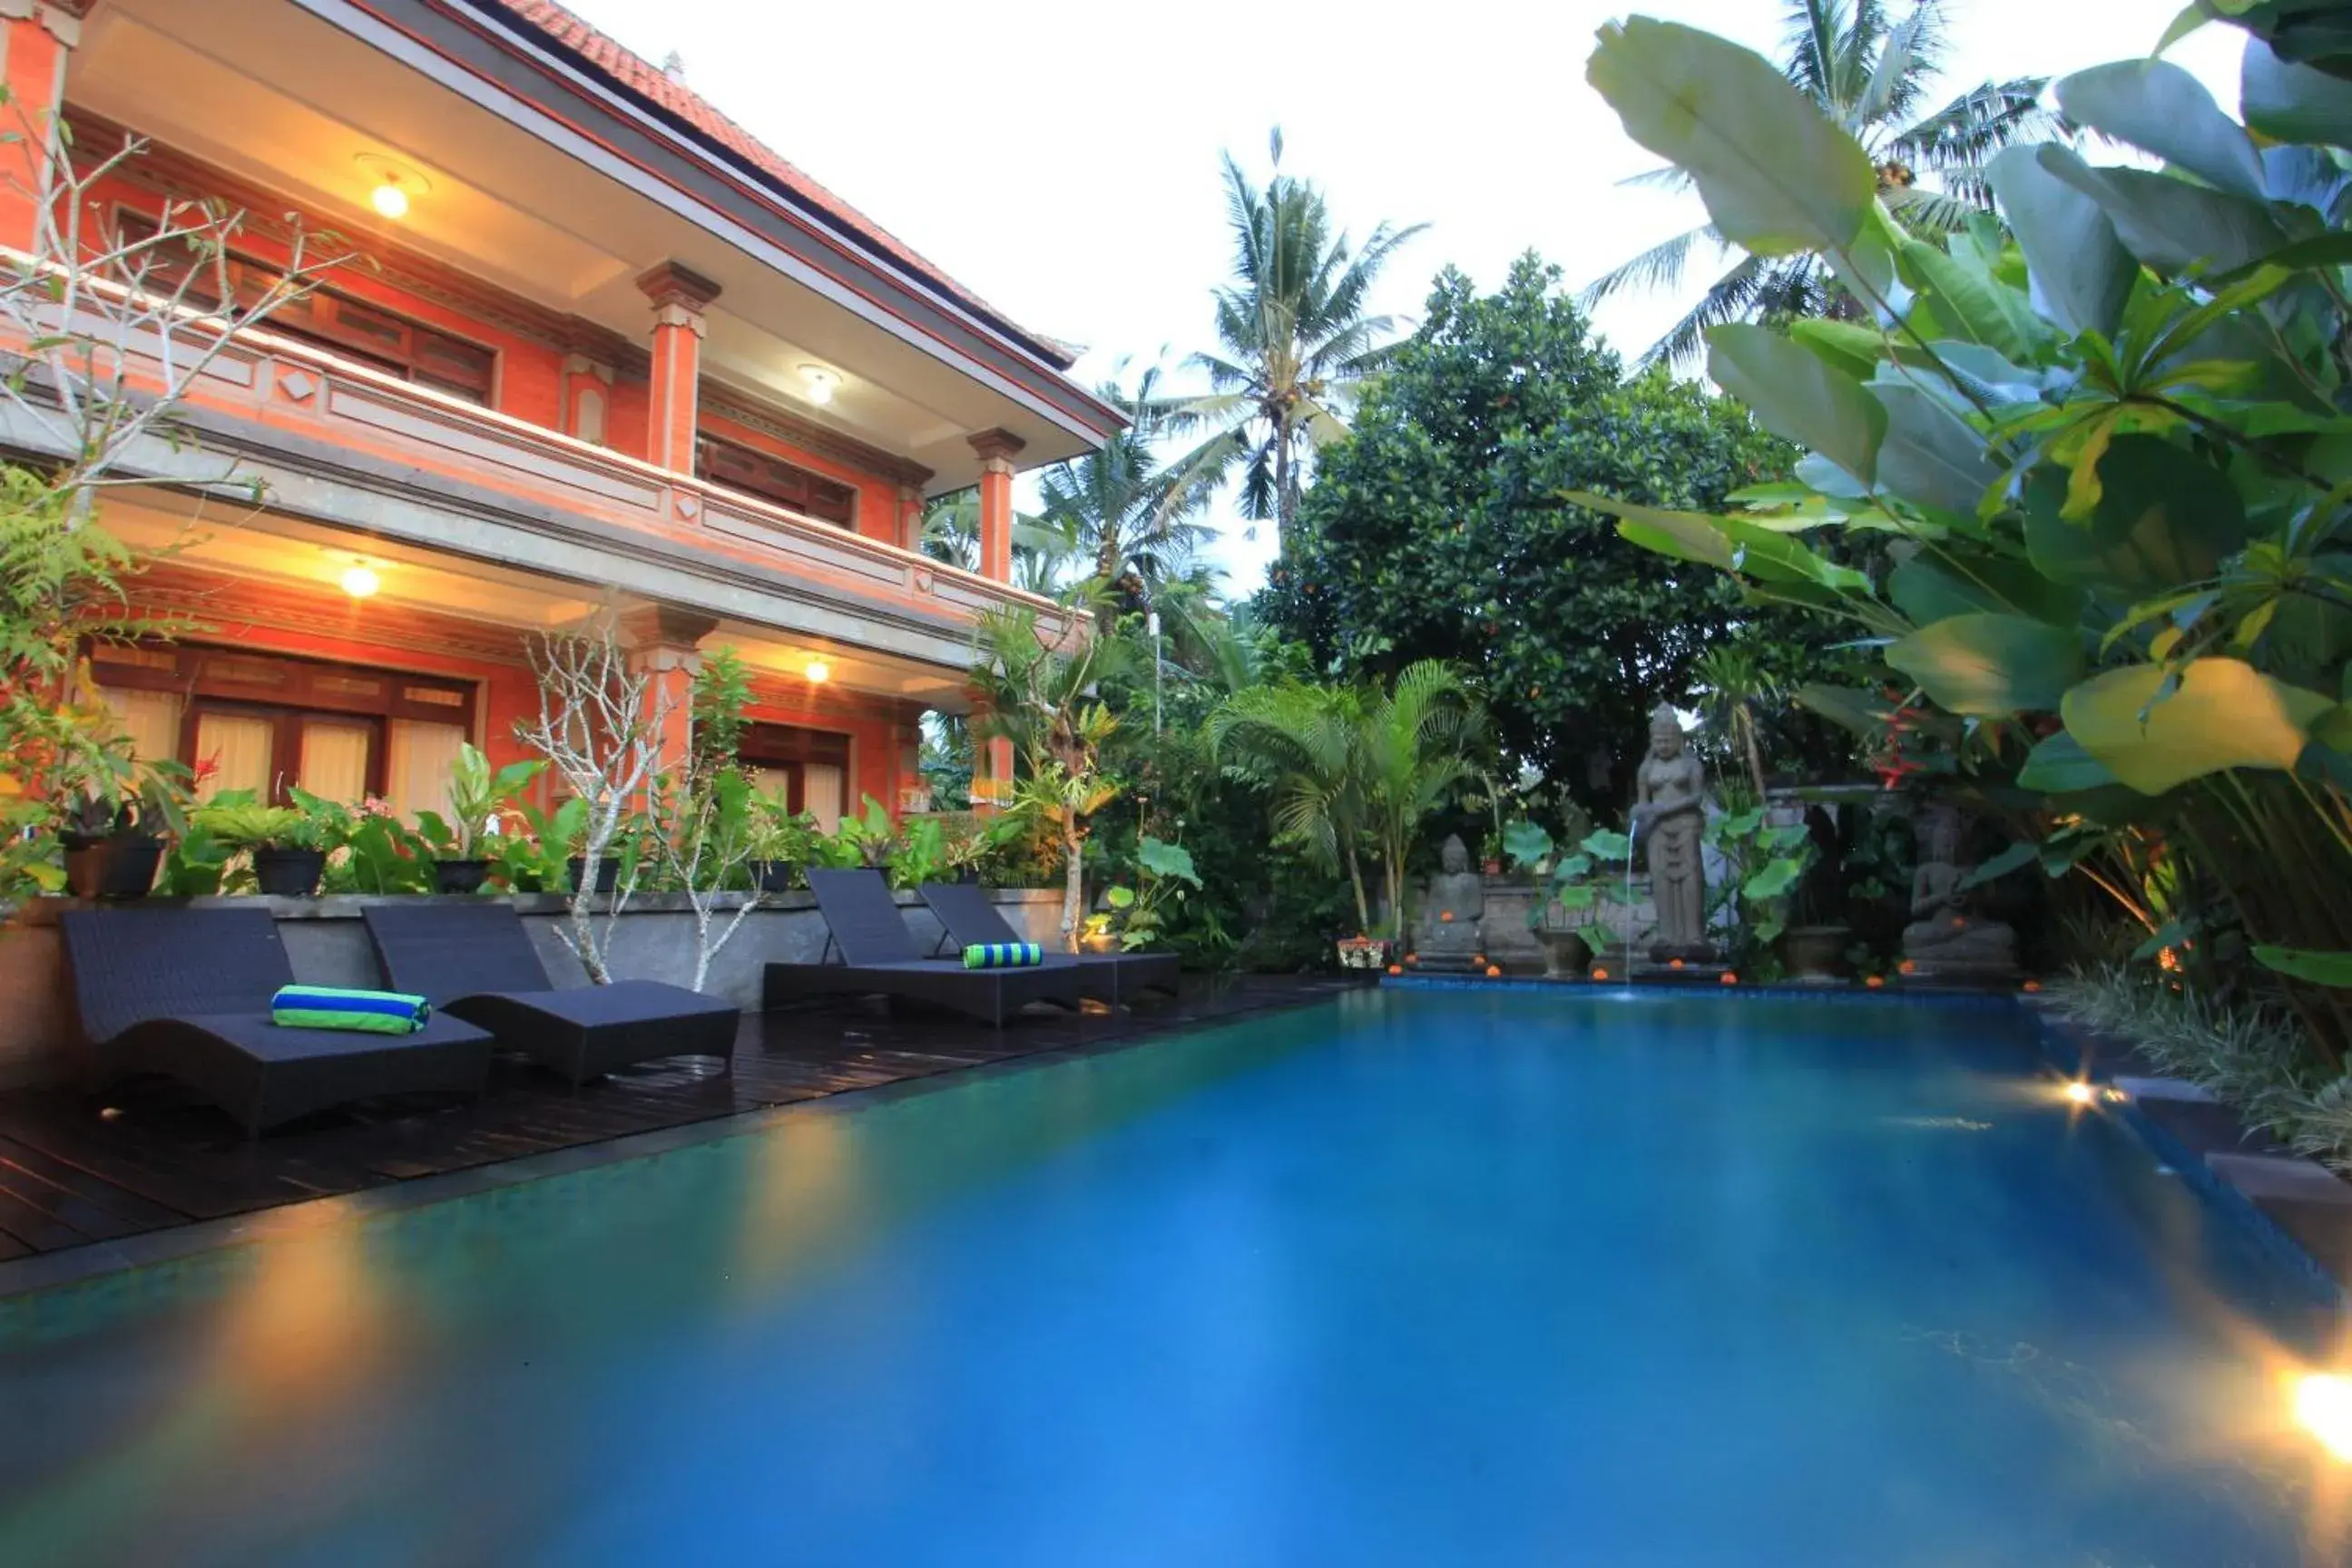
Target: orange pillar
997, 449
36, 37
910, 518
666, 646
680, 297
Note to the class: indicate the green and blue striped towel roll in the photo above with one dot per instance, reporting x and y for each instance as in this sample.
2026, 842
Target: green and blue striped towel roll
1002, 955
335, 1007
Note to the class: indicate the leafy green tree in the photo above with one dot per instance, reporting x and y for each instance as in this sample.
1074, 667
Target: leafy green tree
1293, 344
1438, 529
1871, 75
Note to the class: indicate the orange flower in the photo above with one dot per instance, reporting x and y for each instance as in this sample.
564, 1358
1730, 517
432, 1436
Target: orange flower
1600, 975
1446, 915
2034, 985
1875, 981
1908, 966
1674, 964
1494, 971
1396, 969
1729, 978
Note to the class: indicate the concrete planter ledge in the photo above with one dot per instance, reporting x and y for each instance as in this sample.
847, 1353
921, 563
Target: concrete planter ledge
40, 1037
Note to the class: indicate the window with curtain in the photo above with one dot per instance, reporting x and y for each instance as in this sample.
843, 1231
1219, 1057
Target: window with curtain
821, 784
809, 767
334, 764
234, 751
151, 718
417, 766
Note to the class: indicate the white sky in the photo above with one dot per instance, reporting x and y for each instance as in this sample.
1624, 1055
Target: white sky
1060, 157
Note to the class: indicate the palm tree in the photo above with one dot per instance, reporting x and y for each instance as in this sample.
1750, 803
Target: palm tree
1131, 516
1871, 75
1294, 345
1354, 770
1043, 548
1303, 744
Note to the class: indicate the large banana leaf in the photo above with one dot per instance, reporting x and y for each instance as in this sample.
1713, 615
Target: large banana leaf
2155, 735
2082, 273
1799, 395
1992, 666
1777, 175
2158, 108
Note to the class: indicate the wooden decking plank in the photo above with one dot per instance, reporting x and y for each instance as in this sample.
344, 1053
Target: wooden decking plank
30, 1223
120, 1200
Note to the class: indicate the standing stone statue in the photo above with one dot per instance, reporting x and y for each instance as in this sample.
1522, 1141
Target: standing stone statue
1669, 807
1944, 940
1451, 935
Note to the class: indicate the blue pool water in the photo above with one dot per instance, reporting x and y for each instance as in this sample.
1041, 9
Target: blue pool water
1456, 1279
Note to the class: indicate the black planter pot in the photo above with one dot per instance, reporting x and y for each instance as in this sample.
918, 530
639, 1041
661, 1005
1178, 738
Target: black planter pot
968, 879
769, 876
608, 872
284, 873
460, 875
117, 866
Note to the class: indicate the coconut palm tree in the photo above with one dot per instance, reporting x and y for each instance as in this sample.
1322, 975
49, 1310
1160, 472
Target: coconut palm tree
1133, 517
1044, 549
1294, 345
1871, 74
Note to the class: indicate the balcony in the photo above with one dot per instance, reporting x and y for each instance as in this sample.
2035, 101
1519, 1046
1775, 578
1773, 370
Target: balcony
347, 453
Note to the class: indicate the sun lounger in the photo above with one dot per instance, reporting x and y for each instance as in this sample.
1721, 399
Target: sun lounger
969, 919
184, 994
473, 958
881, 957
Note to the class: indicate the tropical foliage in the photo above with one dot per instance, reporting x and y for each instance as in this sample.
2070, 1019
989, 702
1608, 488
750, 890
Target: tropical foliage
1439, 529
1354, 772
1870, 73
2111, 464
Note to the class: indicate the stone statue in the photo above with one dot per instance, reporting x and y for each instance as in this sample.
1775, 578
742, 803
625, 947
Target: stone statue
1670, 810
1944, 940
1452, 937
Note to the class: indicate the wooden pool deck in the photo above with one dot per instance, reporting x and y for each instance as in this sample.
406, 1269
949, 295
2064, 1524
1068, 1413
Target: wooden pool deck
76, 1170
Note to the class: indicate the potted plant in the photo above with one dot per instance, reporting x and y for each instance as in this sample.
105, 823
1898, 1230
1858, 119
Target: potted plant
478, 795
118, 811
286, 845
1566, 919
778, 843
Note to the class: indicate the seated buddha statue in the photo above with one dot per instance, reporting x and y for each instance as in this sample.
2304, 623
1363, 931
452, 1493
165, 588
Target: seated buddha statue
1452, 936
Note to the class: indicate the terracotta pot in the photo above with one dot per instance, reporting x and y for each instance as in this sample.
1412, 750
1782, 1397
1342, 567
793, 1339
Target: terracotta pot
1814, 953
1566, 953
284, 873
460, 875
116, 866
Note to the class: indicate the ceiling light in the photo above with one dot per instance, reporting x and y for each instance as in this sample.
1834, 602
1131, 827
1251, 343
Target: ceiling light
360, 581
819, 672
821, 382
391, 187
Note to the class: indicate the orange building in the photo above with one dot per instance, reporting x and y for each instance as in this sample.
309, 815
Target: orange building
609, 353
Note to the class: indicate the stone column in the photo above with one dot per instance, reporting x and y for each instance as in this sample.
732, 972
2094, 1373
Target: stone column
666, 646
35, 39
680, 297
910, 518
997, 449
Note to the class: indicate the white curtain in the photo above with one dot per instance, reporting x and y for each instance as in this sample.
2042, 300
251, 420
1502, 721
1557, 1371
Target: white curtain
821, 784
334, 760
416, 762
237, 748
776, 782
152, 720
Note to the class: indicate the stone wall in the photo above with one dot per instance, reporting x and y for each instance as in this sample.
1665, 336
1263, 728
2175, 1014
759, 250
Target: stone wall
328, 946
1507, 941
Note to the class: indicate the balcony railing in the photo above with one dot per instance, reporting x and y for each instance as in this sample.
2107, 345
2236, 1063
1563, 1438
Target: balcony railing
276, 386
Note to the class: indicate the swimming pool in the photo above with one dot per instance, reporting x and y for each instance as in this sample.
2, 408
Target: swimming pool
1447, 1278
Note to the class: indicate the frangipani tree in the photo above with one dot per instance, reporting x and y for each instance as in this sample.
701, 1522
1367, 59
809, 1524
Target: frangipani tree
2111, 455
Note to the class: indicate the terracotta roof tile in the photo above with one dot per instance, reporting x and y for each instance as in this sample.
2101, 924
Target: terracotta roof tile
634, 74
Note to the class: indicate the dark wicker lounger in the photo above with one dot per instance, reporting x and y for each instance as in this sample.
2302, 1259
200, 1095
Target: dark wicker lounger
473, 960
184, 994
968, 919
881, 957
